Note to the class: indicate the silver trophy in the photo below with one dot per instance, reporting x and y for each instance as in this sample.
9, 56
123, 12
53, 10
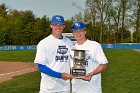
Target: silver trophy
79, 59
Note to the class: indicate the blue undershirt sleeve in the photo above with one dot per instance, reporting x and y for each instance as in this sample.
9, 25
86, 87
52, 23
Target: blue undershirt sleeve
48, 71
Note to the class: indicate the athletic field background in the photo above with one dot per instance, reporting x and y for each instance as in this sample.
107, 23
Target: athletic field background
121, 76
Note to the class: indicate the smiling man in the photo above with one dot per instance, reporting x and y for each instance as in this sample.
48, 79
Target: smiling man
95, 64
53, 59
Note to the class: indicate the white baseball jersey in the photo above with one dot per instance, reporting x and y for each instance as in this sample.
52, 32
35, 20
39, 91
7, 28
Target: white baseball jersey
54, 53
95, 57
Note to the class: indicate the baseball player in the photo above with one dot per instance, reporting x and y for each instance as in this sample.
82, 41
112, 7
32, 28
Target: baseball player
95, 64
53, 60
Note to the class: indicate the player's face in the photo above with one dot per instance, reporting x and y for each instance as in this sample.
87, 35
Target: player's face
57, 29
79, 34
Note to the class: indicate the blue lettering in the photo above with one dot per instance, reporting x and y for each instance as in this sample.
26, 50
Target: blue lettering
61, 58
85, 63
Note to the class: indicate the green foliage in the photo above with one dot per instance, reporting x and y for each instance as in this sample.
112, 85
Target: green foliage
22, 27
67, 27
2, 37
107, 21
3, 10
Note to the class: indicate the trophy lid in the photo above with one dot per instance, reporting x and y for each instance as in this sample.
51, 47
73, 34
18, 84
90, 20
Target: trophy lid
79, 54
74, 49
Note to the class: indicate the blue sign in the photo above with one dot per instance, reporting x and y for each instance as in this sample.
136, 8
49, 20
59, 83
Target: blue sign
121, 46
104, 46
32, 47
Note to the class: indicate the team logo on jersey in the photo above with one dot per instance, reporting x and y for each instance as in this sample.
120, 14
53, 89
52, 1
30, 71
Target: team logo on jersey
62, 50
85, 63
61, 56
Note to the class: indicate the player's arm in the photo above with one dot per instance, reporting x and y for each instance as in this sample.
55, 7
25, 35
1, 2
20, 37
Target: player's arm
50, 72
98, 70
100, 57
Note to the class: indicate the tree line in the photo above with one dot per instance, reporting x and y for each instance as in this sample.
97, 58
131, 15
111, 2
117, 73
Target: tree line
111, 21
107, 21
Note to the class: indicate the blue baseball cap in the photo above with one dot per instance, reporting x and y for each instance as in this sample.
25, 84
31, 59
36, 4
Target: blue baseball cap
57, 19
78, 26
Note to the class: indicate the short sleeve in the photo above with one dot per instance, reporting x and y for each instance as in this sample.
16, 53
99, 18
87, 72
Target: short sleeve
100, 56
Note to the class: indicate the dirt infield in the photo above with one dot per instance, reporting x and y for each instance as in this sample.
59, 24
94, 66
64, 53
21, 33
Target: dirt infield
10, 69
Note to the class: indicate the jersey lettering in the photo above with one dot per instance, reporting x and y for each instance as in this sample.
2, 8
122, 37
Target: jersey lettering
62, 50
85, 63
61, 58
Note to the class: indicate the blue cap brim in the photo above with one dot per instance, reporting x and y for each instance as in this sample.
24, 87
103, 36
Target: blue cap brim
78, 29
57, 23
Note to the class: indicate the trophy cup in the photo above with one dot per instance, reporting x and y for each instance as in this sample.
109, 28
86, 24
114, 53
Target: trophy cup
78, 70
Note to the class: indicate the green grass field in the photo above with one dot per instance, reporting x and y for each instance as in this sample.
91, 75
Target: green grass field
17, 56
121, 76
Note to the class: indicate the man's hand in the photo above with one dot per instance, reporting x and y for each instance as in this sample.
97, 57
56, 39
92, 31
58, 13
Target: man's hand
87, 77
98, 70
66, 76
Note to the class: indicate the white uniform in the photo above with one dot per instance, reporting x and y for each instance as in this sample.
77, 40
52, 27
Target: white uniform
54, 53
96, 56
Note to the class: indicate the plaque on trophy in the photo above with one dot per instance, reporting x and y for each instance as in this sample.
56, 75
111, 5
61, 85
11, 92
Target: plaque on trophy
78, 69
